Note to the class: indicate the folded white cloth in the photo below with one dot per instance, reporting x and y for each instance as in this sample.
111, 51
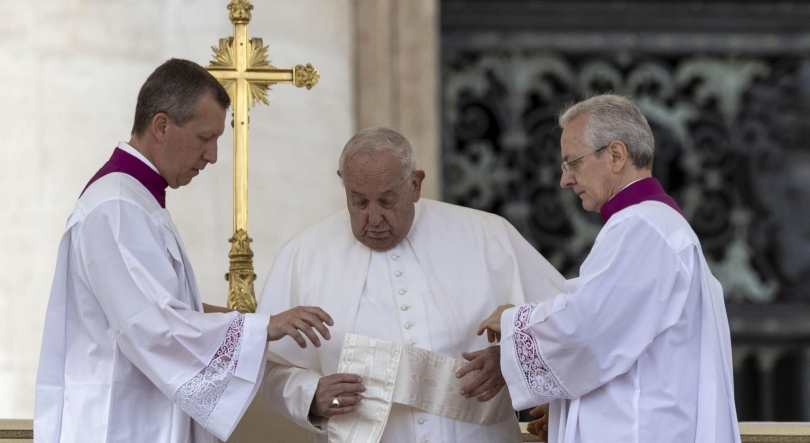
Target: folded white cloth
393, 372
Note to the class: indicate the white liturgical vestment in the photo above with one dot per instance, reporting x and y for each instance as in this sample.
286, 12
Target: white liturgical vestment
637, 348
127, 353
430, 291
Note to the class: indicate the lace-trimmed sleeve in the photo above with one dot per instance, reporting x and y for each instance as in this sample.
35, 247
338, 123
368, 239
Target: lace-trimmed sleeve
199, 396
542, 383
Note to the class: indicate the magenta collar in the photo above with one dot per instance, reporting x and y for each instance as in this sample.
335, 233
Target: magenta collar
121, 161
643, 190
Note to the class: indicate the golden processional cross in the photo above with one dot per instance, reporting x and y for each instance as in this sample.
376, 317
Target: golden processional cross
241, 66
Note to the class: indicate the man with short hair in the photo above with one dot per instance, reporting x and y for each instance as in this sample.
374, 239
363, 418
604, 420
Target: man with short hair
129, 352
413, 276
637, 347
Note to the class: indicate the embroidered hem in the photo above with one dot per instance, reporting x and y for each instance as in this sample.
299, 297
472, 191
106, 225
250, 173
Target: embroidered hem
541, 382
199, 396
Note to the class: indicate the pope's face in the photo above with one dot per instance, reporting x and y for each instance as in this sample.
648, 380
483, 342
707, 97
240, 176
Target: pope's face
191, 147
380, 202
591, 177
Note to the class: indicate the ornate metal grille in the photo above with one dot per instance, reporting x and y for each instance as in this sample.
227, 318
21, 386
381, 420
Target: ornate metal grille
731, 116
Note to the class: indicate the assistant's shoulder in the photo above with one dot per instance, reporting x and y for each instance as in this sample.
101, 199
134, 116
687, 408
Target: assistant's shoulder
655, 217
117, 188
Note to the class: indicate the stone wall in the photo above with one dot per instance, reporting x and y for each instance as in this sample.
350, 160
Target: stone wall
70, 72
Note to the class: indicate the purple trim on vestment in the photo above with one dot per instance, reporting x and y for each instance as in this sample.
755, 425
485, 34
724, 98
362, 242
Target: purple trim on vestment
640, 191
122, 161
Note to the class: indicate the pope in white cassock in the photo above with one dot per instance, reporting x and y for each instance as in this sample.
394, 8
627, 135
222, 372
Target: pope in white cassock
129, 352
637, 348
406, 271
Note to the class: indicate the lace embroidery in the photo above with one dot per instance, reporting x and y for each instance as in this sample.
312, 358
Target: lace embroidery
198, 396
541, 382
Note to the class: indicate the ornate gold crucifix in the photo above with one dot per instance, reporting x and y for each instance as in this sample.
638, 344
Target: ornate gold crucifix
241, 66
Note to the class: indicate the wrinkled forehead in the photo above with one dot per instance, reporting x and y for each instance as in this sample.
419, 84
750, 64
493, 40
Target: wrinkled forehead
372, 173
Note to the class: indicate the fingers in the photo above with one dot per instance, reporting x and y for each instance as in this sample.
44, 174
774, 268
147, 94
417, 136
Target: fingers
343, 387
343, 378
348, 403
321, 314
532, 428
316, 318
473, 384
469, 367
482, 327
303, 319
537, 412
470, 356
491, 392
476, 386
307, 330
490, 335
295, 335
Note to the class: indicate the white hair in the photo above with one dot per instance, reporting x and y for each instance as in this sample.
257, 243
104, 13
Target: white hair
372, 141
614, 117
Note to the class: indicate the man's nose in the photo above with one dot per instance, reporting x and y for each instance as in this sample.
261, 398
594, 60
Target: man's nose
210, 154
374, 217
567, 180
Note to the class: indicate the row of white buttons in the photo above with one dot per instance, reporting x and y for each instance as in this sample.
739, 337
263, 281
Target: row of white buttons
405, 307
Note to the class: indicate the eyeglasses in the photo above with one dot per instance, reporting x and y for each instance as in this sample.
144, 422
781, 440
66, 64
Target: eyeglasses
566, 166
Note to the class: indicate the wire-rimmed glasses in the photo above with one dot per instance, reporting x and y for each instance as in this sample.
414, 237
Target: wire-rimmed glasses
565, 166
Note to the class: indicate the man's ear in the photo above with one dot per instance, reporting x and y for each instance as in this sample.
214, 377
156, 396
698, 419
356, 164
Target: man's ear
618, 155
417, 178
338, 173
159, 126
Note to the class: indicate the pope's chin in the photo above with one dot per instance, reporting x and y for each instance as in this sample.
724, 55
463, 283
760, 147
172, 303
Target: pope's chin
378, 242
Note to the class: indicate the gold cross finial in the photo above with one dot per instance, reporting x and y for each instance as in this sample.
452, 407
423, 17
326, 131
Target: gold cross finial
241, 66
240, 11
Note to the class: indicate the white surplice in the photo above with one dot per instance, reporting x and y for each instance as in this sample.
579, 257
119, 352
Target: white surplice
127, 353
637, 348
430, 291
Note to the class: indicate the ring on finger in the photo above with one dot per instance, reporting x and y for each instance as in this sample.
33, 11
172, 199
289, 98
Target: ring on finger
335, 403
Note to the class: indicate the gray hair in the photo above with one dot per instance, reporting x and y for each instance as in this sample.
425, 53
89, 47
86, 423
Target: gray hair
614, 117
372, 141
175, 88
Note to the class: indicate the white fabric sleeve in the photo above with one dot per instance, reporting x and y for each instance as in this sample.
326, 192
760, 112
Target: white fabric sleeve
289, 386
209, 364
632, 287
539, 279
289, 390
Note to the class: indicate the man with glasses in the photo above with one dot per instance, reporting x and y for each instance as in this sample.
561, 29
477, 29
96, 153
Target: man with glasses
637, 347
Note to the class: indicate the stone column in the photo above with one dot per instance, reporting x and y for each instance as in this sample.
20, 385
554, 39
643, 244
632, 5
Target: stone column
397, 76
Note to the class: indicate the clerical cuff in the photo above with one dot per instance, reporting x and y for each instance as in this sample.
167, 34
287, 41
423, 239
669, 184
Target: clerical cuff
508, 323
245, 383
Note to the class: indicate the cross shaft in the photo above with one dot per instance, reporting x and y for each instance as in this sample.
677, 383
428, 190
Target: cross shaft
241, 66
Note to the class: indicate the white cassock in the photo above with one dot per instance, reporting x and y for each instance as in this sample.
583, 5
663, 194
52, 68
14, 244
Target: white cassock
127, 353
430, 291
637, 348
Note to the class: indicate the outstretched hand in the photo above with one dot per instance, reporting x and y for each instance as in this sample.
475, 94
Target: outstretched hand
488, 381
539, 427
296, 321
493, 324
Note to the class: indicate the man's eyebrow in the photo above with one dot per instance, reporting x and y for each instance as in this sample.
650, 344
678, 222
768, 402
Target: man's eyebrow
356, 193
